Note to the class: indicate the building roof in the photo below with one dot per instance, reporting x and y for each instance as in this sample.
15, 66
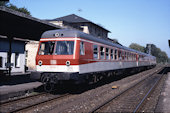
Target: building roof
20, 25
72, 18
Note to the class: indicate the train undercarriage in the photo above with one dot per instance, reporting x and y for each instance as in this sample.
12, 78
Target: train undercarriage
51, 79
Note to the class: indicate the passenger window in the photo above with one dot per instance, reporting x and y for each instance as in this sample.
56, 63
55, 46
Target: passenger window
123, 55
119, 55
115, 54
107, 53
111, 54
102, 52
95, 51
82, 48
127, 56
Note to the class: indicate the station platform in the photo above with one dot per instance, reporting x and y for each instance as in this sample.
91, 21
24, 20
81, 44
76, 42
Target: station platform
17, 85
163, 105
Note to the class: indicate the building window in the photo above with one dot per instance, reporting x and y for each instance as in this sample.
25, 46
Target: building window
95, 51
17, 60
102, 52
1, 62
82, 50
107, 53
111, 54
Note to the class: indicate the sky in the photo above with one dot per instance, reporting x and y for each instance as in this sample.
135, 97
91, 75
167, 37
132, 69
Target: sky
130, 21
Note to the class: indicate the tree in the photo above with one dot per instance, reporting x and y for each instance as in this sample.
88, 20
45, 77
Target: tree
161, 56
137, 47
11, 6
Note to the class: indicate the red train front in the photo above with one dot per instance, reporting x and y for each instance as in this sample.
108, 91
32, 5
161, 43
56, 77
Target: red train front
71, 55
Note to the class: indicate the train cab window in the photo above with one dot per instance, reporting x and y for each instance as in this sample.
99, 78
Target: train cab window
64, 48
107, 53
46, 48
95, 51
111, 54
115, 54
102, 52
82, 48
1, 62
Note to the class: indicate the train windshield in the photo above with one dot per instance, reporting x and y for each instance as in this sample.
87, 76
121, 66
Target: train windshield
64, 48
47, 48
57, 48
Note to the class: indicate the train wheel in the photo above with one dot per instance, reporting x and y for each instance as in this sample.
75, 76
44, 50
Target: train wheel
48, 85
42, 78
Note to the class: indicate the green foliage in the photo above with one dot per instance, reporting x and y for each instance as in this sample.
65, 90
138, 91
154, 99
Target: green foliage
137, 47
161, 56
11, 6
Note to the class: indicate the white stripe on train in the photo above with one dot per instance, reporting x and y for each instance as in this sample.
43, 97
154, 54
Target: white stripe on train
91, 67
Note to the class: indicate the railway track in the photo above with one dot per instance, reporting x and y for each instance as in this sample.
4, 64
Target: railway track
27, 103
131, 99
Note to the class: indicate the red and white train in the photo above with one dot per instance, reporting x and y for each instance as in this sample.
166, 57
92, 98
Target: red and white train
71, 55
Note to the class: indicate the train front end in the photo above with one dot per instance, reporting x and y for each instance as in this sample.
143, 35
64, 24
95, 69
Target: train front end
57, 59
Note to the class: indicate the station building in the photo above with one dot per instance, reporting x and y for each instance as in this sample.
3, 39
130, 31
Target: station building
76, 22
18, 28
17, 54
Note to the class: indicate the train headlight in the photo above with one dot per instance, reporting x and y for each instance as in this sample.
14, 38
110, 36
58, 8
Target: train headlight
40, 62
56, 34
67, 63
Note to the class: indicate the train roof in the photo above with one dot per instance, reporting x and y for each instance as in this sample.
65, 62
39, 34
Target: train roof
76, 33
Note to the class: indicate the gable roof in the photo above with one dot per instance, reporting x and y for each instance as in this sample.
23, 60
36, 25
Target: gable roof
75, 19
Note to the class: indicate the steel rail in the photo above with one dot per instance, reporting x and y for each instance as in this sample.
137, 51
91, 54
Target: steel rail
21, 99
149, 92
38, 104
107, 102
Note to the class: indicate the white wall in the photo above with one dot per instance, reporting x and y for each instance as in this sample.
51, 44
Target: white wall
31, 49
21, 62
4, 59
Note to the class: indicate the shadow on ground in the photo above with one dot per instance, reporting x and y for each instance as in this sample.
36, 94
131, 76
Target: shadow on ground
16, 79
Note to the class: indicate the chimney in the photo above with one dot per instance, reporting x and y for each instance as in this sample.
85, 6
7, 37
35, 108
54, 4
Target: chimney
169, 43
